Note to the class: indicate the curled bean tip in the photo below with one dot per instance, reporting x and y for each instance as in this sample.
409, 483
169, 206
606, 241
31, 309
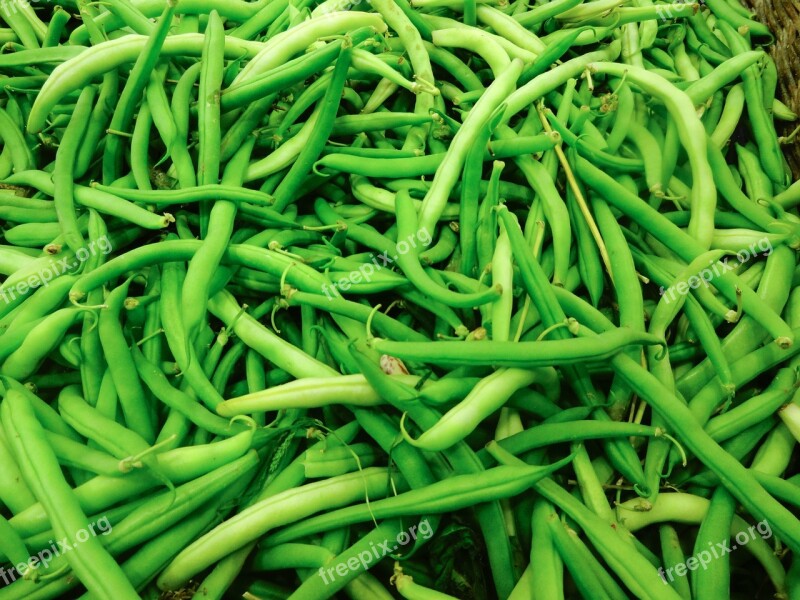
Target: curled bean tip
246, 418
406, 436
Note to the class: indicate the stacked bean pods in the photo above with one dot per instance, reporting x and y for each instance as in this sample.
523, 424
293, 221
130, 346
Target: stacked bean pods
425, 299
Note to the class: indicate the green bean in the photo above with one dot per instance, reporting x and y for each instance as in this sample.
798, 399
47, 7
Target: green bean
397, 17
44, 300
81, 67
41, 339
443, 248
131, 16
693, 137
571, 431
120, 362
134, 87
28, 215
282, 46
548, 81
486, 232
179, 465
556, 213
648, 148
538, 288
706, 401
628, 291
124, 444
140, 139
497, 482
783, 489
355, 580
629, 566
734, 195
12, 260
92, 198
673, 555
158, 384
747, 336
450, 168
589, 265
144, 564
427, 165
510, 29
166, 509
157, 102
551, 54
687, 248
468, 213
307, 393
774, 453
259, 20
318, 135
359, 312
74, 454
407, 257
44, 412
490, 515
283, 76
14, 491
548, 577
87, 556
701, 28
692, 509
733, 475
186, 355
542, 13
484, 399
762, 125
586, 571
13, 547
714, 581
410, 590
260, 517
216, 223
263, 341
728, 16
65, 165
516, 354
21, 156
21, 25
98, 122
739, 446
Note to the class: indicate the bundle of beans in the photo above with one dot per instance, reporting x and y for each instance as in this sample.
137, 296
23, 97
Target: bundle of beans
434, 299
783, 19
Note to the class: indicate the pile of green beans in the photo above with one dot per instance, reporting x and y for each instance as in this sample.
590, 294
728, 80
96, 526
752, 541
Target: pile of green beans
425, 299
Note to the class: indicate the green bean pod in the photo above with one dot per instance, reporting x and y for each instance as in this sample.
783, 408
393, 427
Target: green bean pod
88, 557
